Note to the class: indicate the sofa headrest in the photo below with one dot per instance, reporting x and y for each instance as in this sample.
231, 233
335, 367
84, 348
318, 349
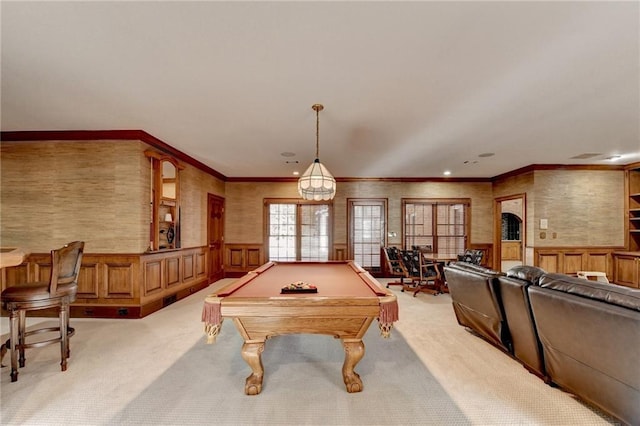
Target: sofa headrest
473, 268
605, 292
527, 273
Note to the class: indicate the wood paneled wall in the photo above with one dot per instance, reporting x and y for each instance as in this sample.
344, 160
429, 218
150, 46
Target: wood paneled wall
242, 258
123, 285
98, 191
570, 260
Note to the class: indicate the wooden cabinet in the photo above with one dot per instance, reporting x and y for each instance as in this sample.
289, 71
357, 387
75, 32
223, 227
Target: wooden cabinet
632, 176
626, 268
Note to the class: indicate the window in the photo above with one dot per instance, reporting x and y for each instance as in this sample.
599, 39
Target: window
367, 224
510, 227
441, 224
297, 230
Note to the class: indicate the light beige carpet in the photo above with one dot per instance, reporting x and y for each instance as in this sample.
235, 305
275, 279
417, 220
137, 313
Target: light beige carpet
129, 371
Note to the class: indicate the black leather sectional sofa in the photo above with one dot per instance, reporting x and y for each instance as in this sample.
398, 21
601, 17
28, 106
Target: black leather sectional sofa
580, 335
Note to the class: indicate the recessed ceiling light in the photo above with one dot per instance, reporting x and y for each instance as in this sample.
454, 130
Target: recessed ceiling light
447, 172
288, 154
486, 154
613, 157
296, 173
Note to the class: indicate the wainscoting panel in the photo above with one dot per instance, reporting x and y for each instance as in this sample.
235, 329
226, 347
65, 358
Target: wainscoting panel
152, 276
122, 285
188, 268
254, 257
242, 258
173, 270
573, 262
201, 265
598, 261
88, 281
118, 279
236, 257
570, 260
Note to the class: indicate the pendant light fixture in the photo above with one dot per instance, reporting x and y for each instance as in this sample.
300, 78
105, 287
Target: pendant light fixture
317, 183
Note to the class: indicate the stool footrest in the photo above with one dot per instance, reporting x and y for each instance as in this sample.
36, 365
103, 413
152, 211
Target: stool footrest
70, 332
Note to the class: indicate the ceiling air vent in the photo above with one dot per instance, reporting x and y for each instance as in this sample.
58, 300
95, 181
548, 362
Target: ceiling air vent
585, 156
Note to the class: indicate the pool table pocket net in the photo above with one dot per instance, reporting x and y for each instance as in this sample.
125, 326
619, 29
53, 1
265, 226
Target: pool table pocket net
212, 317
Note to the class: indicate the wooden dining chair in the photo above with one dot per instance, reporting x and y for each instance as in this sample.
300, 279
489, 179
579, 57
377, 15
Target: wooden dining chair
59, 292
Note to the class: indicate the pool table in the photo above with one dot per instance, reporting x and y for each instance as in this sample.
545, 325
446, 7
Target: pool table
347, 300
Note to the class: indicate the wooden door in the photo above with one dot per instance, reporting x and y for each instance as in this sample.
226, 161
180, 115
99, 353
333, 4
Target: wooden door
215, 232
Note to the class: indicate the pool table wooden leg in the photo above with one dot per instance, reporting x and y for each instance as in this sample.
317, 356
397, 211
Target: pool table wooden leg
353, 351
252, 354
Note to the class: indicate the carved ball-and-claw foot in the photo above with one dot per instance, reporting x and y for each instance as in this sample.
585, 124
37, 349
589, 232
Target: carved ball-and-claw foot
354, 351
253, 385
353, 383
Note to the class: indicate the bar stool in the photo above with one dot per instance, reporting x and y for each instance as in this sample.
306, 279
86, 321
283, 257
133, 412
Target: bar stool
59, 292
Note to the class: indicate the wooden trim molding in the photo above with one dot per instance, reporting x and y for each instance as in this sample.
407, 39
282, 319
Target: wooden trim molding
110, 135
114, 135
534, 167
361, 179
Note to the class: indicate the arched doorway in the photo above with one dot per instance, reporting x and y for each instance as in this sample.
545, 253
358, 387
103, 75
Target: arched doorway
509, 234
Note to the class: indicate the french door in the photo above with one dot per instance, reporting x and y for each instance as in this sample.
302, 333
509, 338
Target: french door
367, 231
298, 230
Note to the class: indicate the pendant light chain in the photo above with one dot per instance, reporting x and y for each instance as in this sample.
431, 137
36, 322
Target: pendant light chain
317, 132
316, 183
317, 108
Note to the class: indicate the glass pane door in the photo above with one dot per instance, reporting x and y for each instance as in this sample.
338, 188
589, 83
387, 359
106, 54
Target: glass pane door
298, 232
314, 232
282, 232
367, 231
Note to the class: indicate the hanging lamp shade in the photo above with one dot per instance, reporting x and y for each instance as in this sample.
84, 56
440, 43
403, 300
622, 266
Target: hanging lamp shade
316, 183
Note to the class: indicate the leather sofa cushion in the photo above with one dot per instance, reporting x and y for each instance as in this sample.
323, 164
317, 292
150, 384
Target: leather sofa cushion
527, 273
609, 293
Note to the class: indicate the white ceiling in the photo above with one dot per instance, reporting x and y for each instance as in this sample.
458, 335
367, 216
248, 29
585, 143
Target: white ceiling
410, 89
